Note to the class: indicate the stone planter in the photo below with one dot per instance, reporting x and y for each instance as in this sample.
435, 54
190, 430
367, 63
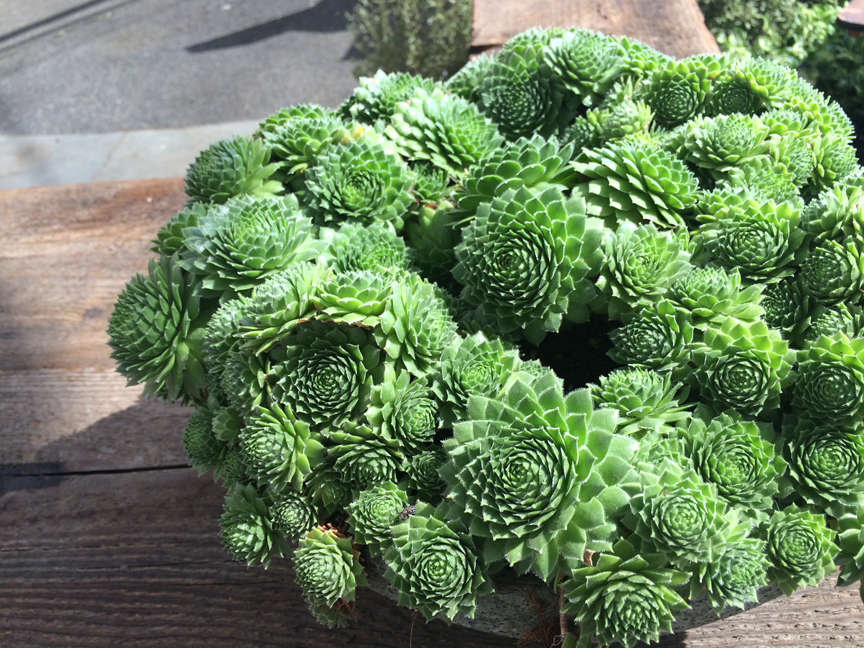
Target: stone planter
524, 602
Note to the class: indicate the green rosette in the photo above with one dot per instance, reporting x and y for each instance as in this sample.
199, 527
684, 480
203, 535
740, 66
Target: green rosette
522, 95
830, 381
826, 466
238, 166
646, 400
836, 213
293, 515
681, 516
758, 238
324, 374
626, 597
416, 326
245, 380
169, 239
221, 335
468, 79
657, 337
424, 473
833, 272
830, 320
279, 304
375, 247
734, 577
635, 179
525, 260
362, 181
298, 134
204, 451
156, 332
718, 144
404, 409
850, 539
375, 98
247, 529
474, 365
710, 294
434, 566
742, 366
357, 297
242, 243
278, 449
540, 476
586, 62
785, 306
327, 487
446, 130
535, 163
641, 263
327, 567
374, 512
362, 458
676, 92
738, 456
800, 547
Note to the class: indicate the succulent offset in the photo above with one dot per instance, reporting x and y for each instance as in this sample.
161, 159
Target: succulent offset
582, 312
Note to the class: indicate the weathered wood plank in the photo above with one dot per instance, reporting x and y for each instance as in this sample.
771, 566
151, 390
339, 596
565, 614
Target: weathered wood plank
73, 420
675, 27
134, 559
67, 251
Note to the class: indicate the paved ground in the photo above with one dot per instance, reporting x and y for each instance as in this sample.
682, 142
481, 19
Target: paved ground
76, 66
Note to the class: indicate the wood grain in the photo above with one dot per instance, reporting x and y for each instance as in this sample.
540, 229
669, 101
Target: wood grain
134, 559
675, 27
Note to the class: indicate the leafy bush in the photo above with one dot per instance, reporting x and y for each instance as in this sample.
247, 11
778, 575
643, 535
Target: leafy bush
427, 37
399, 323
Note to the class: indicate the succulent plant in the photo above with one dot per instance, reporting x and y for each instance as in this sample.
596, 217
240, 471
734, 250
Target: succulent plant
571, 500
375, 511
472, 366
324, 376
435, 567
525, 259
278, 449
237, 166
645, 399
735, 576
204, 451
446, 130
800, 547
627, 596
327, 567
363, 458
634, 179
850, 538
830, 381
582, 312
156, 332
640, 264
240, 244
362, 181
404, 409
743, 367
535, 163
739, 457
247, 529
826, 466
293, 515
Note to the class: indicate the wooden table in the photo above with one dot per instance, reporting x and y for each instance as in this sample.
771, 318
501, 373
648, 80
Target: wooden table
107, 538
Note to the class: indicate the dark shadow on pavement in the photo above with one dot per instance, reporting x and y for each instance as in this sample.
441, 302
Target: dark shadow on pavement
326, 16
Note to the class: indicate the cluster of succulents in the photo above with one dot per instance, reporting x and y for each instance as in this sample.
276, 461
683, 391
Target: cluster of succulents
365, 305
